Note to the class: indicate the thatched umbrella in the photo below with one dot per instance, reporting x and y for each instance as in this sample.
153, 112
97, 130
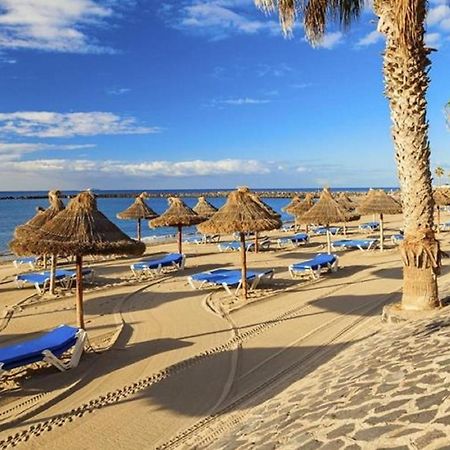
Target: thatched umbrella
346, 201
79, 230
242, 214
138, 211
204, 208
30, 228
378, 202
269, 209
326, 211
179, 215
294, 202
441, 197
301, 208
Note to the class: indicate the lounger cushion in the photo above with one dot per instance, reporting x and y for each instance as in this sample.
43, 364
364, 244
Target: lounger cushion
57, 341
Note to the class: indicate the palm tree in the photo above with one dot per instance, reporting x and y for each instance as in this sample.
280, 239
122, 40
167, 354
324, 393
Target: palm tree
439, 172
406, 65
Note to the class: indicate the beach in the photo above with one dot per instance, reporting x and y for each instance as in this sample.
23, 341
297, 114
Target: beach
170, 366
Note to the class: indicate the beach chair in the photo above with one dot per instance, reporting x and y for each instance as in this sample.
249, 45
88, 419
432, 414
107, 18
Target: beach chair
295, 240
397, 238
321, 231
445, 226
288, 227
313, 268
71, 276
228, 278
234, 246
30, 261
202, 239
48, 347
155, 267
369, 226
351, 244
41, 280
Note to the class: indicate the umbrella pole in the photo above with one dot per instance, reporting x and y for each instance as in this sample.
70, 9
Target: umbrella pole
180, 247
79, 289
328, 240
256, 242
381, 232
139, 229
438, 218
52, 274
243, 266
345, 229
45, 261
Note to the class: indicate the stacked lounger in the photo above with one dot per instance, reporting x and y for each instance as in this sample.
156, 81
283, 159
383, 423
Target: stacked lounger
154, 267
323, 230
370, 226
313, 268
351, 244
228, 278
295, 240
231, 246
397, 238
26, 261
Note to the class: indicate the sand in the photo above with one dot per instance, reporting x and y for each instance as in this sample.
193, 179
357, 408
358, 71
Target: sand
176, 367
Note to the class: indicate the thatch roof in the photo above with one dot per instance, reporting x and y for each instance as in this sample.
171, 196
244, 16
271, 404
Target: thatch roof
326, 211
441, 196
346, 201
296, 200
204, 208
263, 204
241, 213
41, 217
303, 206
378, 202
177, 214
80, 229
138, 210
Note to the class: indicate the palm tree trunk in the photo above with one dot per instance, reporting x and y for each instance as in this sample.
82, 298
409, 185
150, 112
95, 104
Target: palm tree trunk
406, 81
243, 267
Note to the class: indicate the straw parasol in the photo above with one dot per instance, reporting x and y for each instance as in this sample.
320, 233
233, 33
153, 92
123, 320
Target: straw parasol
346, 201
378, 202
137, 211
301, 208
204, 208
269, 209
179, 215
326, 211
294, 202
42, 216
79, 230
243, 214
441, 197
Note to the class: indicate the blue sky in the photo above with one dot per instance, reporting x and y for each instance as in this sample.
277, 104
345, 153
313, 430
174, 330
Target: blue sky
131, 94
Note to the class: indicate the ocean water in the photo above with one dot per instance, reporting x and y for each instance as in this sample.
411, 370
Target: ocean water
16, 212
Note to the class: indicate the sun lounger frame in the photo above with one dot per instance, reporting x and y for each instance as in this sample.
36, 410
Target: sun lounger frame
309, 272
372, 246
153, 272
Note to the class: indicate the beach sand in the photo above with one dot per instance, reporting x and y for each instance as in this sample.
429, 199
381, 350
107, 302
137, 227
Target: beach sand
176, 367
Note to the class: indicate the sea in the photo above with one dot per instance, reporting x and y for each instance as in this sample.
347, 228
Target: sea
15, 211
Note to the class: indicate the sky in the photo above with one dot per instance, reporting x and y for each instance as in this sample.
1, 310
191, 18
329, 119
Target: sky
175, 94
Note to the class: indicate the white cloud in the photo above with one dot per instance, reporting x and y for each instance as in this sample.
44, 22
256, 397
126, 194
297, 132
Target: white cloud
219, 18
52, 124
54, 25
372, 38
118, 91
143, 169
244, 101
331, 40
433, 40
14, 151
438, 14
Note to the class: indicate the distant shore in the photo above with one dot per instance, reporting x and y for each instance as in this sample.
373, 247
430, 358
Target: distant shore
182, 194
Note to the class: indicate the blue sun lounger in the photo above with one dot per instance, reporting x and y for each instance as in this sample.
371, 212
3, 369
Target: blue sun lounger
313, 268
350, 244
202, 239
47, 347
154, 267
370, 226
41, 280
323, 230
397, 238
228, 278
295, 240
